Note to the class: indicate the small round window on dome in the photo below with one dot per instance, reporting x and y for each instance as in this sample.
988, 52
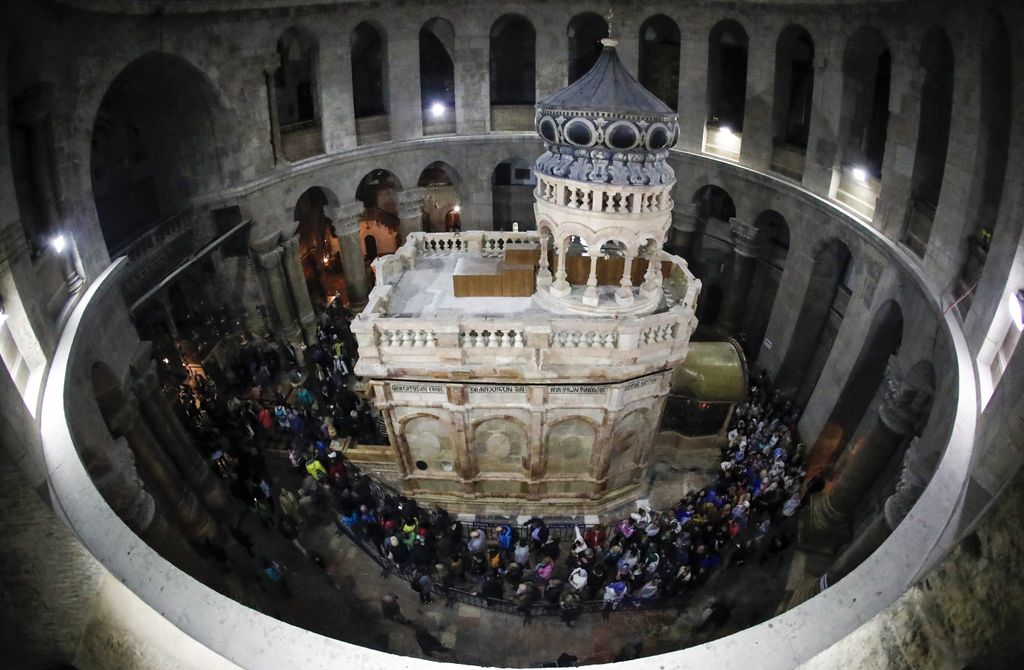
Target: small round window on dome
579, 132
421, 465
547, 129
658, 137
622, 135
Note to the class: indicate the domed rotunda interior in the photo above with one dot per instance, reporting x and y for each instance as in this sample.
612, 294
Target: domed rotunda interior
412, 334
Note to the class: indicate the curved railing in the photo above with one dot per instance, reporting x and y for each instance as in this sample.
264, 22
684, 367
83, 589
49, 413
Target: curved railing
784, 641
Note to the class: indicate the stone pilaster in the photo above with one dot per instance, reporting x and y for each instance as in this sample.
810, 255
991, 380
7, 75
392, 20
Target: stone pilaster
410, 211
346, 225
272, 274
744, 264
296, 280
823, 134
403, 82
271, 64
756, 150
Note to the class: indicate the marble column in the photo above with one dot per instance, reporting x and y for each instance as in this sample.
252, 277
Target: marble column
744, 264
624, 295
683, 233
346, 225
560, 287
297, 287
271, 64
280, 304
176, 441
184, 506
410, 211
590, 294
543, 272
824, 523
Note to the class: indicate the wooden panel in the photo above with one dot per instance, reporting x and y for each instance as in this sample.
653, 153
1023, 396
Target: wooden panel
523, 256
518, 281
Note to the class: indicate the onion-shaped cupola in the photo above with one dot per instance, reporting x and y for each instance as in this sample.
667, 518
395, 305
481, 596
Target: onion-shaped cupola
607, 128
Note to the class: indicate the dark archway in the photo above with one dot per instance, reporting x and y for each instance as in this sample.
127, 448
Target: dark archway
298, 95
727, 75
713, 202
513, 61
319, 246
437, 77
659, 58
378, 192
932, 138
512, 184
441, 208
817, 322
864, 121
161, 137
370, 83
585, 33
773, 235
794, 87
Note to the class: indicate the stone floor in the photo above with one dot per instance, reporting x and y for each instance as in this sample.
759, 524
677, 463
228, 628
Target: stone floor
343, 603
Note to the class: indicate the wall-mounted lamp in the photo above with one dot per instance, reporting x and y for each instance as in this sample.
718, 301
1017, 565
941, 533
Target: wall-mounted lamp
58, 243
457, 208
1017, 308
860, 174
437, 110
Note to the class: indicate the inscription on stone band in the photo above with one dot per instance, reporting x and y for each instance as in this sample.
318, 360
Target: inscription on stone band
640, 383
578, 390
497, 389
417, 388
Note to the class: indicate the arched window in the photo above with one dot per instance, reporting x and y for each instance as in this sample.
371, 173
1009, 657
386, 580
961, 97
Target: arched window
297, 95
932, 138
441, 207
727, 88
585, 34
659, 58
512, 184
792, 99
513, 72
369, 84
378, 191
437, 77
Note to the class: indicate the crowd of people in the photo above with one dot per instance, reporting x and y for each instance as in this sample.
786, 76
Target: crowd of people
649, 555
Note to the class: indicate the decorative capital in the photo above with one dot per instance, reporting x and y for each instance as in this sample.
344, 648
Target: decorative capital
271, 259
345, 215
904, 404
124, 419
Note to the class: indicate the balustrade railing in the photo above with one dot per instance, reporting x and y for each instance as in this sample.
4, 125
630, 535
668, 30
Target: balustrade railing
602, 197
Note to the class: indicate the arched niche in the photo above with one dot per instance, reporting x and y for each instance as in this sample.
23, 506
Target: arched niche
441, 208
297, 94
864, 116
568, 446
512, 64
319, 246
378, 192
727, 75
500, 445
430, 444
659, 58
585, 32
631, 431
936, 110
437, 76
773, 251
161, 137
714, 208
512, 184
792, 96
370, 83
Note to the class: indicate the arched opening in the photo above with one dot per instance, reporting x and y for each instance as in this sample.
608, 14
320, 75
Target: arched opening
713, 202
995, 111
319, 247
932, 138
792, 100
709, 306
513, 69
161, 137
864, 119
712, 255
862, 388
441, 208
512, 184
379, 221
773, 234
585, 34
370, 84
659, 58
818, 321
298, 95
727, 88
437, 77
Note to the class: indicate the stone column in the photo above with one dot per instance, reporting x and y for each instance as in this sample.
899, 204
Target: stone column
824, 523
652, 278
472, 82
683, 233
410, 211
624, 295
280, 304
744, 263
194, 518
590, 294
271, 64
178, 444
823, 135
334, 76
693, 85
403, 82
297, 286
165, 304
561, 287
353, 264
544, 272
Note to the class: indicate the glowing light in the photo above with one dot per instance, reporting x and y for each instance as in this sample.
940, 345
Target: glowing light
166, 361
860, 174
725, 130
58, 243
1017, 308
457, 209
437, 110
